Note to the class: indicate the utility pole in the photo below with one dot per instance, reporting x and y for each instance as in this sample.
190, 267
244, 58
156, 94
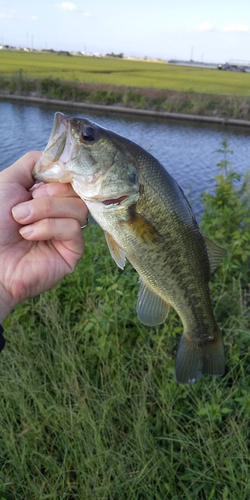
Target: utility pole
192, 51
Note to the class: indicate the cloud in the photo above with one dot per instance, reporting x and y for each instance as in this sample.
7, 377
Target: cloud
71, 7
68, 6
205, 26
13, 14
7, 14
236, 27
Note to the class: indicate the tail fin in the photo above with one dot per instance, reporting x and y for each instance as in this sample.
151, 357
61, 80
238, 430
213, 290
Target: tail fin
195, 359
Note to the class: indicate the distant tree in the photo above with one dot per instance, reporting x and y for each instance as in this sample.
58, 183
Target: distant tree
63, 53
115, 55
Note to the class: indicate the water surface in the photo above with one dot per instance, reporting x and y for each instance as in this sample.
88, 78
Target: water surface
186, 150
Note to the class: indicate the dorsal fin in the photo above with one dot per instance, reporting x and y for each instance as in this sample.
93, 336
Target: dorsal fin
215, 253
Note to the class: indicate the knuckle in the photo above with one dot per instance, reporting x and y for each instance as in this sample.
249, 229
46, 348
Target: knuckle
46, 225
41, 207
65, 188
75, 227
30, 155
46, 205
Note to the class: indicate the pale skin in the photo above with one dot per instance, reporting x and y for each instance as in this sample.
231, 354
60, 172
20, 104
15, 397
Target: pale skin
41, 239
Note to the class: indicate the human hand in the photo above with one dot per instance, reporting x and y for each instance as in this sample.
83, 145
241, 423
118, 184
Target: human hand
39, 248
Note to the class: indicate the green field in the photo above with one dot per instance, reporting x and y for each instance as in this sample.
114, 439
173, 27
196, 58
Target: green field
123, 72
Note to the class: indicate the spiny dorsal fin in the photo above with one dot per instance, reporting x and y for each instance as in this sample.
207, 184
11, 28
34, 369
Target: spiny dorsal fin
151, 309
215, 253
116, 251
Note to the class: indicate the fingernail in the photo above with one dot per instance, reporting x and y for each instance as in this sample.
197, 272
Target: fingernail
21, 211
36, 186
41, 191
26, 231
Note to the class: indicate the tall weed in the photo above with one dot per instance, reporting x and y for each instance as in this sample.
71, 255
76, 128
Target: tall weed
227, 214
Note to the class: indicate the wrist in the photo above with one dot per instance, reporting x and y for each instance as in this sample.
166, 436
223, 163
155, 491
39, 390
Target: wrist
5, 305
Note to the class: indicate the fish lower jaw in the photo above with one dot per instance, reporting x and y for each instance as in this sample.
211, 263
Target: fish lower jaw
54, 174
65, 178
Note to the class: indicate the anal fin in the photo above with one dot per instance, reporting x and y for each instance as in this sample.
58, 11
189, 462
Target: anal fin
151, 309
116, 251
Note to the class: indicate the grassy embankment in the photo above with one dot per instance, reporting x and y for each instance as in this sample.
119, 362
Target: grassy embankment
89, 406
136, 84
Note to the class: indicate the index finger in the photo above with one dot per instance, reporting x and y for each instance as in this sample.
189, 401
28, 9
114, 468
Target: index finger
55, 189
20, 171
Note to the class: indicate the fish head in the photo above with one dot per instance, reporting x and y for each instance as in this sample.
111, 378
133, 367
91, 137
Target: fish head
94, 160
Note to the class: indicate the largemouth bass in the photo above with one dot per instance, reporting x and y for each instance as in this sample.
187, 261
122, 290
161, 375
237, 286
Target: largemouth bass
148, 220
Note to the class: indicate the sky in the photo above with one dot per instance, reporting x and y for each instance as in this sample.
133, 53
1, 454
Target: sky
209, 31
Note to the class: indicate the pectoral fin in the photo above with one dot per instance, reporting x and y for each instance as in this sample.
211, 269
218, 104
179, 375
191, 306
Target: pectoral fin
215, 253
141, 227
116, 251
151, 309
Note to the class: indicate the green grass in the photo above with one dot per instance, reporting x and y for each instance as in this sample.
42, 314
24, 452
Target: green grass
123, 72
89, 405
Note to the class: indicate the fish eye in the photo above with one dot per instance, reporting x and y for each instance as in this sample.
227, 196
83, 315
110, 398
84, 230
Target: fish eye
89, 134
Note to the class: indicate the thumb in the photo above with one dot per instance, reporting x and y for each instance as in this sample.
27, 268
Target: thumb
20, 171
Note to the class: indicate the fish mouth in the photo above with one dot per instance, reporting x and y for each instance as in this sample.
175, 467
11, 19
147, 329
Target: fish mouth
60, 150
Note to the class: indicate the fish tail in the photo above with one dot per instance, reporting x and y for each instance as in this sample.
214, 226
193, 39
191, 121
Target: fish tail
195, 359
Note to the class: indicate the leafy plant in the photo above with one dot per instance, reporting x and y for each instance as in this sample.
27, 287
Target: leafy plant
226, 215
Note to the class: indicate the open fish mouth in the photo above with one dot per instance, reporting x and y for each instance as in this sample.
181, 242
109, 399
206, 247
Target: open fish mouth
60, 150
61, 125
